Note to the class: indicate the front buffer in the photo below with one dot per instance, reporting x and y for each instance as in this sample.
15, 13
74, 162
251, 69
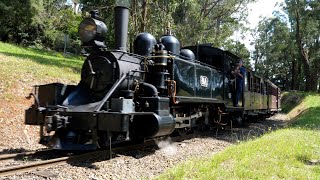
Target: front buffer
73, 128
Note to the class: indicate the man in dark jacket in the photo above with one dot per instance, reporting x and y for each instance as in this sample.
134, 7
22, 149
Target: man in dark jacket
240, 82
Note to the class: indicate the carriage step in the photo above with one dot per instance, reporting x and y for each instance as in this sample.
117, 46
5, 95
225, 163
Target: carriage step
252, 114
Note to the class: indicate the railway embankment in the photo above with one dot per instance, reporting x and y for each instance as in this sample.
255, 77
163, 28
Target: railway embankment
20, 69
292, 152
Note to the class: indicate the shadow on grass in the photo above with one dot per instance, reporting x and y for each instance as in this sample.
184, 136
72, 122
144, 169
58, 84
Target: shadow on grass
305, 159
291, 100
309, 119
73, 64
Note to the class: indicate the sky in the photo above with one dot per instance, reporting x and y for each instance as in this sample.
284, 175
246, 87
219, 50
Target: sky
257, 10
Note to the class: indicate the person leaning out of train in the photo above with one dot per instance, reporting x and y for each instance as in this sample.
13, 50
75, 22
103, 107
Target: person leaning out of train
235, 70
240, 74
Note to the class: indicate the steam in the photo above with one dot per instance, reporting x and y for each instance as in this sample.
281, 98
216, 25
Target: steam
280, 116
167, 147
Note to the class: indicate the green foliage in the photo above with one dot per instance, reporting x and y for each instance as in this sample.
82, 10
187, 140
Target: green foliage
240, 50
287, 49
208, 21
68, 22
17, 22
191, 21
61, 21
274, 51
291, 100
42, 23
38, 23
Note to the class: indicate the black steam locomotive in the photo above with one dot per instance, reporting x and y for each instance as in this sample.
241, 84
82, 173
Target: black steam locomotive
156, 90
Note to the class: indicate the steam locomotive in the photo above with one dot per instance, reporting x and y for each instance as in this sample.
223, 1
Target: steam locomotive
156, 90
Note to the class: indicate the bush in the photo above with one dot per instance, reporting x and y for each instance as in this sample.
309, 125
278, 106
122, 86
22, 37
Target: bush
73, 46
291, 100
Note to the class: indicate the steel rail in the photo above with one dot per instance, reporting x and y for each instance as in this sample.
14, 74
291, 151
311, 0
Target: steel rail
64, 160
67, 159
16, 155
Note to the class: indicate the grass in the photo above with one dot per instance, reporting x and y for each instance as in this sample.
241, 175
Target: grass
291, 153
310, 118
31, 66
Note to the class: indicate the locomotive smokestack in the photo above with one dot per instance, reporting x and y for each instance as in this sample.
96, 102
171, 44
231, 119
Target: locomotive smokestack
121, 13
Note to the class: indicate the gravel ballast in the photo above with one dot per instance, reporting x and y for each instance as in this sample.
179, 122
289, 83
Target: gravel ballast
136, 164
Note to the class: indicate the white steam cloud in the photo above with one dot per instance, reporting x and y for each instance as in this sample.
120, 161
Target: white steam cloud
167, 147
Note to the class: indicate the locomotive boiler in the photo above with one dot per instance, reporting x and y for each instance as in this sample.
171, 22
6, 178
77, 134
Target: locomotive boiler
149, 93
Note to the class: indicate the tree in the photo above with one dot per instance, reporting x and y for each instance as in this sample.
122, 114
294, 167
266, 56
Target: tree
205, 21
290, 48
274, 53
18, 20
211, 21
304, 20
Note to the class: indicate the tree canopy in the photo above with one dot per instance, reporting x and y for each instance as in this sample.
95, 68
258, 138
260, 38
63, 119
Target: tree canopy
44, 23
38, 23
287, 46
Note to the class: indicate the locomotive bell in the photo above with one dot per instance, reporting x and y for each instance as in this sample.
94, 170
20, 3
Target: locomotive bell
161, 55
144, 43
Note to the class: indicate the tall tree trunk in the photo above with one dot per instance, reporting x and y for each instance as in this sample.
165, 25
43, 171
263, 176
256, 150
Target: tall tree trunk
300, 83
144, 14
314, 78
286, 83
315, 68
134, 19
303, 54
294, 74
318, 85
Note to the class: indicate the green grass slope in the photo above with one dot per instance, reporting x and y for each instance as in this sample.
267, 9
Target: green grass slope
17, 62
20, 69
292, 153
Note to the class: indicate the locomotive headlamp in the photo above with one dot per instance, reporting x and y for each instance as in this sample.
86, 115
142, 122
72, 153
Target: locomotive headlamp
92, 32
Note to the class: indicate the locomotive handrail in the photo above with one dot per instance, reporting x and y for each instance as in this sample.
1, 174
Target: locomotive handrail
36, 100
132, 54
161, 56
112, 89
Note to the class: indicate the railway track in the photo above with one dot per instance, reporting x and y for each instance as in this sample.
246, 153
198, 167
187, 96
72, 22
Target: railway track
28, 167
23, 154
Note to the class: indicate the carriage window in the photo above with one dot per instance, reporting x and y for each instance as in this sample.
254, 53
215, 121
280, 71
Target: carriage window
254, 84
266, 90
248, 80
258, 85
